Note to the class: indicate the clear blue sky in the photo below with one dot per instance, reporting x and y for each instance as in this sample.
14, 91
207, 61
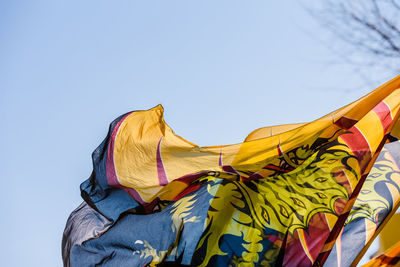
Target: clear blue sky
68, 68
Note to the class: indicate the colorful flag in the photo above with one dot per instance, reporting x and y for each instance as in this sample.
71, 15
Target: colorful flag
285, 196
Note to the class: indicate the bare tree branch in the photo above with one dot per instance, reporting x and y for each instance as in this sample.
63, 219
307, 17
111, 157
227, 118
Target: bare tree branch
367, 31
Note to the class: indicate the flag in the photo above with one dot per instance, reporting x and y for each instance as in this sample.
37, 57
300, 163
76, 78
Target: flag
390, 257
377, 201
288, 195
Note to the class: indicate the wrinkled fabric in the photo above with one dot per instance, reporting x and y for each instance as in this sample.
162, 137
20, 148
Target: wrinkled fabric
287, 195
83, 224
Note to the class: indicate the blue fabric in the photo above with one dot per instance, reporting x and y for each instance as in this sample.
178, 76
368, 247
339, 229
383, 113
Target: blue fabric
123, 244
109, 201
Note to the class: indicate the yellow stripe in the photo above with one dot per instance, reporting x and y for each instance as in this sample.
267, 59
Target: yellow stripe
373, 135
331, 220
392, 101
370, 228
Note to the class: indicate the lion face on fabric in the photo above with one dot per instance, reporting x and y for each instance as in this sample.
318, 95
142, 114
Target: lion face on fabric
380, 188
264, 211
248, 222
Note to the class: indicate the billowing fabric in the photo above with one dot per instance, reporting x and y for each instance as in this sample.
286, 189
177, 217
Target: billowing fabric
285, 196
391, 257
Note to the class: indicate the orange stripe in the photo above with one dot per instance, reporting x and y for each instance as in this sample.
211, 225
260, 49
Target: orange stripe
328, 246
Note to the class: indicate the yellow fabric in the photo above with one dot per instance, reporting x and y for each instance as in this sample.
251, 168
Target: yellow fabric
137, 140
390, 257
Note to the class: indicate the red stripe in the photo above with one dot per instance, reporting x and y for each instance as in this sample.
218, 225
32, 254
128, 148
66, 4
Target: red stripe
383, 112
189, 178
280, 152
358, 144
345, 123
186, 191
276, 168
111, 174
110, 167
230, 169
162, 175
133, 193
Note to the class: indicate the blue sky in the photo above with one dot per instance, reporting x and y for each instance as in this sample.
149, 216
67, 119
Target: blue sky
68, 68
